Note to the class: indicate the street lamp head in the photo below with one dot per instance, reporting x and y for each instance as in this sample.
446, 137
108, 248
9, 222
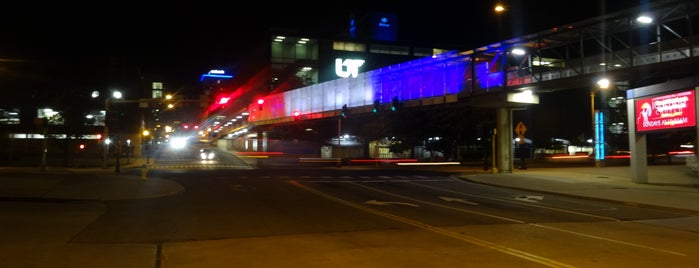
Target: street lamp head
499, 8
117, 94
518, 51
603, 83
644, 19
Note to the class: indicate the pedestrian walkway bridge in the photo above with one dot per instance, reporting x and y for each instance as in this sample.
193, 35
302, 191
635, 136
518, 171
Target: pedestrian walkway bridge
628, 50
516, 70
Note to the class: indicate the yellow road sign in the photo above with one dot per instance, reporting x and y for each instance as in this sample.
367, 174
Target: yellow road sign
520, 129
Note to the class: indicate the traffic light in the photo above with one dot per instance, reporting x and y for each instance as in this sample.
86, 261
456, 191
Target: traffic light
377, 106
395, 104
260, 101
170, 101
345, 111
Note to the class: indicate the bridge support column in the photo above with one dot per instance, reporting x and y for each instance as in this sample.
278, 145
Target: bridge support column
638, 164
262, 141
504, 131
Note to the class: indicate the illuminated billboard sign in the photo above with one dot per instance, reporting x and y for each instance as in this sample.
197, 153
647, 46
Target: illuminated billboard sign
675, 110
348, 67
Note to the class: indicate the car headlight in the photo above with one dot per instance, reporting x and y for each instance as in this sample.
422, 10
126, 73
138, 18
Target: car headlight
207, 156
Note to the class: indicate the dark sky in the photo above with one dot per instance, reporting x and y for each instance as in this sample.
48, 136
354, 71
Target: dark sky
80, 43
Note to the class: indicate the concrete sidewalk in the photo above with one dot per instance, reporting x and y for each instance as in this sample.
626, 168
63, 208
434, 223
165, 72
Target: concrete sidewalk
669, 186
83, 183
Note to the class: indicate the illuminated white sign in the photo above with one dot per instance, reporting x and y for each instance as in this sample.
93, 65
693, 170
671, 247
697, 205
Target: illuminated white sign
347, 67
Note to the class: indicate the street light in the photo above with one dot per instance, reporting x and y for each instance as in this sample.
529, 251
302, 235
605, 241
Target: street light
105, 147
603, 83
499, 8
147, 142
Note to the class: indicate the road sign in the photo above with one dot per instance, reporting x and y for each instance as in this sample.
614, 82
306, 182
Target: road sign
520, 129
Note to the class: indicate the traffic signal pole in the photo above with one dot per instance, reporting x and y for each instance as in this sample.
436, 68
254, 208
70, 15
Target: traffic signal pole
105, 145
339, 133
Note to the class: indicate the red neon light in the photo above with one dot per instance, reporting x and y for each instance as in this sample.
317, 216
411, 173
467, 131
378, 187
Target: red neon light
569, 156
623, 156
675, 110
681, 152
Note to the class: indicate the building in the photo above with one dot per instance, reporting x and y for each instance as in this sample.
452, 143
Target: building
298, 60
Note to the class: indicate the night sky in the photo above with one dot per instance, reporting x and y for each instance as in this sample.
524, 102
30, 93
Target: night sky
57, 45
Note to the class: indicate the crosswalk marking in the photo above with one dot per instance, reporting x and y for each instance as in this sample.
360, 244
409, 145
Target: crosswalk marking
308, 178
199, 166
367, 179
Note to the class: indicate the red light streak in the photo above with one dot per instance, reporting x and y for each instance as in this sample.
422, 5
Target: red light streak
259, 153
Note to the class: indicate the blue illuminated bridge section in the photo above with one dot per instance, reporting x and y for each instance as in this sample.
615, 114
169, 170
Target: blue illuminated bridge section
570, 56
439, 77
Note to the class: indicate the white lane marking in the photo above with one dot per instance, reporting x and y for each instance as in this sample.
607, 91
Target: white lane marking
459, 236
530, 198
458, 200
388, 203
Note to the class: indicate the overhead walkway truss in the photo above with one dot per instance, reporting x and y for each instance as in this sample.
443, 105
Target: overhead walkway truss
512, 73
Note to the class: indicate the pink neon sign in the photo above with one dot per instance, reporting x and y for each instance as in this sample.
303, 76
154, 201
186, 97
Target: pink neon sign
675, 110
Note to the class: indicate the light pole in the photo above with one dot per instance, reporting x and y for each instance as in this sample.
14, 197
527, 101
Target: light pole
146, 144
105, 146
603, 83
105, 139
499, 10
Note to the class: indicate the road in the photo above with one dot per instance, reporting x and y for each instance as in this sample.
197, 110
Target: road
234, 215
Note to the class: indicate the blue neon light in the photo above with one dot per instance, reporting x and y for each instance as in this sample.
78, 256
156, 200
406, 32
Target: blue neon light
417, 80
352, 29
215, 76
384, 26
599, 135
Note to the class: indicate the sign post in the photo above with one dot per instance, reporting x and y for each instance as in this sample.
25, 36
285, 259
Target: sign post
521, 147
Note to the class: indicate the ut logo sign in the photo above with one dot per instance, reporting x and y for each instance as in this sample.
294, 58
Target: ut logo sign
347, 67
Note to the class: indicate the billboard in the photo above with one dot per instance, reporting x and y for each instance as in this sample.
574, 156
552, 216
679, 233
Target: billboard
676, 110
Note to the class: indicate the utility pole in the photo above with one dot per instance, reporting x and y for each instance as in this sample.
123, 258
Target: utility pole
339, 133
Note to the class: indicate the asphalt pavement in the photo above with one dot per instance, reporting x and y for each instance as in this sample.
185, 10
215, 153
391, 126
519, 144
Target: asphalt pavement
668, 186
35, 240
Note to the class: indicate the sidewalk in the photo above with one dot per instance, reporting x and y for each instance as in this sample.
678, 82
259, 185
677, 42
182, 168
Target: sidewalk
83, 183
669, 186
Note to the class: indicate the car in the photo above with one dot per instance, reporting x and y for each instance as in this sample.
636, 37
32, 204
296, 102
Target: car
206, 154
